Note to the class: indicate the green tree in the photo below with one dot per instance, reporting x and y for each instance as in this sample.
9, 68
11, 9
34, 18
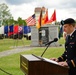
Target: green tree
21, 22
5, 14
24, 23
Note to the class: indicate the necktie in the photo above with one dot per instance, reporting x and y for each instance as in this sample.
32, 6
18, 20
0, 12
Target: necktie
68, 38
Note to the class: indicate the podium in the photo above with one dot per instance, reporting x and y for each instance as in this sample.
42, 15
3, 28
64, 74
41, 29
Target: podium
34, 65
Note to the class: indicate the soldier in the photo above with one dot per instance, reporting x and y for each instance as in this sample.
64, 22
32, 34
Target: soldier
68, 58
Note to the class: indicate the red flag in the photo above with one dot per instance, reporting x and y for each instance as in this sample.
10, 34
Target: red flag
45, 18
53, 17
16, 29
38, 25
31, 20
11, 28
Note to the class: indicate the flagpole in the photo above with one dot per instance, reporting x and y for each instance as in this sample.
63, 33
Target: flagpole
40, 42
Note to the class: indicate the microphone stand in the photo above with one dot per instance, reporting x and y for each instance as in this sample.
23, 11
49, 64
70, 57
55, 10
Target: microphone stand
45, 50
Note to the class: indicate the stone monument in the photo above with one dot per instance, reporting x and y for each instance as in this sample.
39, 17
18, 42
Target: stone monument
46, 33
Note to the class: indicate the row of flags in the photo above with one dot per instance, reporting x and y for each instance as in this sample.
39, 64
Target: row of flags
15, 29
42, 20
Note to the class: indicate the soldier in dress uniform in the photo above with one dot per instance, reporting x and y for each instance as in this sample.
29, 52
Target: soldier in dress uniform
68, 58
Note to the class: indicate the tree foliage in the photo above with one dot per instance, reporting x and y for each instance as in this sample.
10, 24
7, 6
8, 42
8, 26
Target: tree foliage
21, 22
5, 13
7, 18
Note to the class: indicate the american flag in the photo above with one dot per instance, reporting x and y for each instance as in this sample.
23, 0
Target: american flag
31, 20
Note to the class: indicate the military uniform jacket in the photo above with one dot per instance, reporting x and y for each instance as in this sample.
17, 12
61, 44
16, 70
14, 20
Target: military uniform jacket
69, 54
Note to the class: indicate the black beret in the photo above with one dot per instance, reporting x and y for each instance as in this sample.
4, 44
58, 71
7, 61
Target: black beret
67, 21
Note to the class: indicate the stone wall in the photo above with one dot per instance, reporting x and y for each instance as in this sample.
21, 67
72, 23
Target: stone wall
53, 33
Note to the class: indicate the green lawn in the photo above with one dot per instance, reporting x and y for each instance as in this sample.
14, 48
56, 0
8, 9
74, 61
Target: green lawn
8, 44
11, 63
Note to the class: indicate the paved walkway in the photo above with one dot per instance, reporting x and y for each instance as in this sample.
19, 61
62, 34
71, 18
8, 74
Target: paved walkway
15, 50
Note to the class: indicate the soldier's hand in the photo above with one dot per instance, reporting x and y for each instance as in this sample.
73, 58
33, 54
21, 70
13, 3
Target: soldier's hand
63, 64
54, 59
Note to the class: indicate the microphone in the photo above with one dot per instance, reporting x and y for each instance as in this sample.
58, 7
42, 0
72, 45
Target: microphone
55, 40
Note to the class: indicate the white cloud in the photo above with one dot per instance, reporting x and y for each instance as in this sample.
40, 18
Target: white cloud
23, 11
25, 8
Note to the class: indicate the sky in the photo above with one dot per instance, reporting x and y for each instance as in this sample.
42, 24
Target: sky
25, 8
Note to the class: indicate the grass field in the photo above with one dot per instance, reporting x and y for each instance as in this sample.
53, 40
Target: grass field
8, 44
11, 63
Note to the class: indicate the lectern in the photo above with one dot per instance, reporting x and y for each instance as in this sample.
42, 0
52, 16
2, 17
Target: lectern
34, 65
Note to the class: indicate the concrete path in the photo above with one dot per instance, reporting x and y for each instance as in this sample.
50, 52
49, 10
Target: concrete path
15, 50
